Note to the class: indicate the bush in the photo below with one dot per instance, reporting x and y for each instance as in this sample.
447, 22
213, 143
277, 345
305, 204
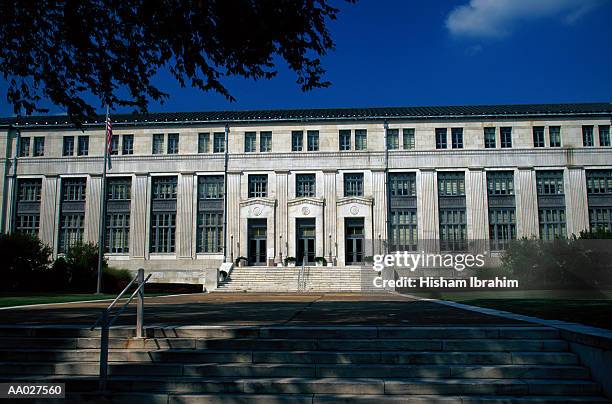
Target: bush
114, 280
82, 264
25, 262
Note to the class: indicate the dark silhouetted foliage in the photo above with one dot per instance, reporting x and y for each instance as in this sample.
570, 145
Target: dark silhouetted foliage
25, 261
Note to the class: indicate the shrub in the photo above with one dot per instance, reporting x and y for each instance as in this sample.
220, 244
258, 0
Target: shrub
82, 265
114, 280
25, 262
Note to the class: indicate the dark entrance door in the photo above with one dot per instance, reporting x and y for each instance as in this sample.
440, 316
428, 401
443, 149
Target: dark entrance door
257, 234
354, 241
305, 240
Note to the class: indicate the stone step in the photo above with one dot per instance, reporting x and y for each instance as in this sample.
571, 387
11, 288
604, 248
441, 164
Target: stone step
284, 370
406, 387
309, 357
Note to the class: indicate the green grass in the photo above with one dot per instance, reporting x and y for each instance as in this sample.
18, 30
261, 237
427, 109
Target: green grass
9, 300
586, 307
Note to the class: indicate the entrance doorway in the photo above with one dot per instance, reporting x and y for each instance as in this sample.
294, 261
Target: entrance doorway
354, 241
257, 234
305, 241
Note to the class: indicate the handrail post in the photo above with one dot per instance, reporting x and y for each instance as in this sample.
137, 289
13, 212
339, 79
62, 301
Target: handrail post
140, 305
104, 351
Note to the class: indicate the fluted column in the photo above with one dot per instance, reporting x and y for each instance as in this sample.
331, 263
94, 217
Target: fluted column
282, 189
380, 206
526, 203
138, 215
427, 210
576, 204
233, 213
49, 210
11, 194
184, 213
329, 193
92, 208
477, 209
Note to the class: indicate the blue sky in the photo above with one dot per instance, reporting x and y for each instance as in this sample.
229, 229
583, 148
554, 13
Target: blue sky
444, 52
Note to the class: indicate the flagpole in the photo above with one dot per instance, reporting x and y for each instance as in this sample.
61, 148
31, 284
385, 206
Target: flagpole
102, 221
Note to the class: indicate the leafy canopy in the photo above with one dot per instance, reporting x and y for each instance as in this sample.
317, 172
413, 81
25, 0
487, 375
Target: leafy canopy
111, 49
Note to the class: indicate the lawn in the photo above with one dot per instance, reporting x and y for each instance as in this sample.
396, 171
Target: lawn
586, 307
8, 300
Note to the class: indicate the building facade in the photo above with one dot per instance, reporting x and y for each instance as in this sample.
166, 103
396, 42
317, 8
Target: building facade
189, 190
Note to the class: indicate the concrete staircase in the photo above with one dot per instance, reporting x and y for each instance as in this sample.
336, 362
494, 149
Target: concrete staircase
521, 364
294, 279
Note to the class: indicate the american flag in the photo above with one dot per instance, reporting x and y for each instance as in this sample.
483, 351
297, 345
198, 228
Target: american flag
109, 140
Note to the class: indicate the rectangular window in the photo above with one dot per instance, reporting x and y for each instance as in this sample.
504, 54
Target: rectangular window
489, 138
441, 141
345, 139
119, 189
403, 230
173, 143
554, 133
29, 190
502, 227
210, 232
549, 182
500, 183
361, 139
24, 147
599, 182
297, 140
27, 217
604, 135
392, 139
203, 142
71, 230
258, 186
453, 230
219, 142
114, 149
74, 189
353, 184
313, 140
402, 184
39, 146
83, 146
538, 136
163, 232
451, 184
128, 144
250, 142
164, 188
305, 185
68, 147
600, 218
408, 139
117, 233
265, 142
210, 187
457, 138
599, 192
552, 223
158, 143
505, 137
587, 136
27, 224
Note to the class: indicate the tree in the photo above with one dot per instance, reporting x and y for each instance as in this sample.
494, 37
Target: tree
111, 49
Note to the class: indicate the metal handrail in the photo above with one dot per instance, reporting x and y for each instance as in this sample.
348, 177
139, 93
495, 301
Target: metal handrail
104, 321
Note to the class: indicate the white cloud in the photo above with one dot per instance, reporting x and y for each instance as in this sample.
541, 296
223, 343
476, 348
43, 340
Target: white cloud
498, 18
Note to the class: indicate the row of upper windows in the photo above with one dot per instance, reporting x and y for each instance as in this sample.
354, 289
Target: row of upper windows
347, 140
499, 183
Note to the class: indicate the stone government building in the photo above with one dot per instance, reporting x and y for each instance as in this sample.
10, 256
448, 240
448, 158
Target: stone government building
308, 183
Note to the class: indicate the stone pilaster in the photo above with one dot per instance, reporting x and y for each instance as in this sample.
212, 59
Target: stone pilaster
49, 210
138, 215
282, 190
184, 213
11, 194
427, 210
527, 222
379, 193
233, 214
576, 203
92, 208
477, 209
329, 192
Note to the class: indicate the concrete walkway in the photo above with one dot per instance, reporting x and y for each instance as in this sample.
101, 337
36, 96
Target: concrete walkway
265, 309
